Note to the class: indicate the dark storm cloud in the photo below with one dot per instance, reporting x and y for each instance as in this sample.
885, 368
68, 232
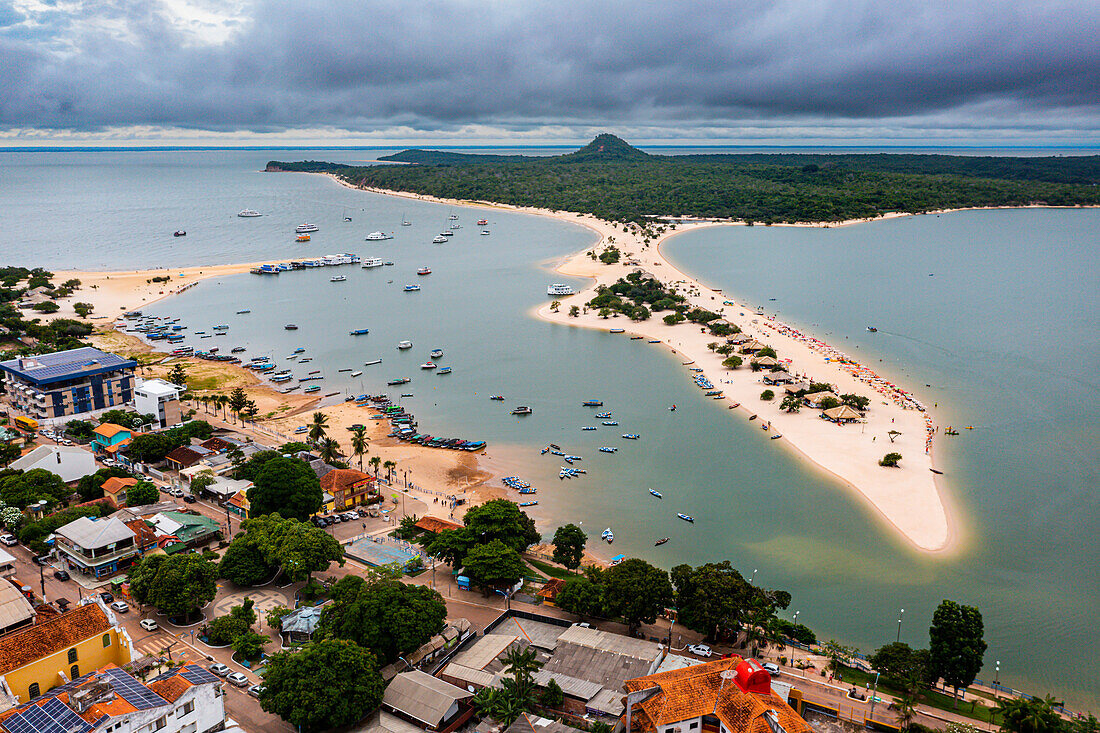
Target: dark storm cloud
363, 65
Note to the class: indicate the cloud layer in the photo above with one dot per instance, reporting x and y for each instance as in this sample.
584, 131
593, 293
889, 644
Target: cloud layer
968, 66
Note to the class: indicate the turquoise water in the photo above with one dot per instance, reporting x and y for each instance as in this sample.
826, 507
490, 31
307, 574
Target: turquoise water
979, 332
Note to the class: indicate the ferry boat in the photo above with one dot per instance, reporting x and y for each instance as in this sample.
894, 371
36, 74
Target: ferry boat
305, 228
592, 403
359, 332
560, 289
302, 238
439, 240
686, 518
372, 262
424, 271
248, 213
656, 493
482, 222
522, 410
412, 288
437, 353
338, 278
378, 237
404, 345
290, 327
427, 365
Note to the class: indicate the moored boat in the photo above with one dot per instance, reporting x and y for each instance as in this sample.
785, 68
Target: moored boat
686, 518
248, 213
372, 362
592, 403
631, 436
302, 238
290, 327
378, 236
404, 345
560, 289
656, 493
372, 262
305, 228
359, 332
427, 365
424, 271
522, 410
444, 370
607, 535
660, 541
439, 240
412, 288
437, 353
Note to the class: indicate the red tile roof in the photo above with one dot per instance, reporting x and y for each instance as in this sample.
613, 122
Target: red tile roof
27, 645
170, 689
435, 524
185, 456
115, 484
343, 479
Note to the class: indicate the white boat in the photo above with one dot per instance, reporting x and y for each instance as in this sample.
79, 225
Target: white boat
437, 353
427, 365
337, 279
453, 217
378, 236
247, 213
404, 345
376, 361
372, 262
305, 228
560, 289
412, 288
405, 222
484, 232
446, 233
439, 240
607, 535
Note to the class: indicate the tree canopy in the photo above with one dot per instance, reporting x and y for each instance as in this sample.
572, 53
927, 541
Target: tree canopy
569, 542
287, 486
637, 591
956, 644
582, 596
177, 585
711, 597
23, 488
270, 541
502, 520
493, 565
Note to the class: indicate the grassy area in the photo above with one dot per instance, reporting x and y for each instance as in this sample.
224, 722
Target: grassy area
931, 698
552, 570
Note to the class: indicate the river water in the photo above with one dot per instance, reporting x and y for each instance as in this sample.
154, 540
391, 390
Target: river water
1004, 334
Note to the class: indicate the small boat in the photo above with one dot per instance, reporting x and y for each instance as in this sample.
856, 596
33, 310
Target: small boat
424, 271
242, 312
872, 329
337, 278
290, 327
603, 415
347, 218
446, 234
611, 423
378, 237
617, 330
372, 362
299, 350
412, 288
522, 410
592, 403
427, 365
301, 429
555, 446
404, 345
482, 222
631, 436
314, 388
237, 350
497, 397
248, 213
405, 222
607, 449
607, 535
939, 473
589, 427
179, 233
305, 228
439, 240
302, 238
444, 370
388, 263
528, 503
654, 341
656, 493
355, 374
343, 370
484, 232
437, 353
660, 542
686, 518
305, 359
396, 382
359, 332
636, 338
775, 436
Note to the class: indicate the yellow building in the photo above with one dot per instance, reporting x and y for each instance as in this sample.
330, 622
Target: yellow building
37, 658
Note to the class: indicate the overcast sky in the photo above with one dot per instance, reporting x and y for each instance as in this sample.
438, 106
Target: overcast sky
337, 71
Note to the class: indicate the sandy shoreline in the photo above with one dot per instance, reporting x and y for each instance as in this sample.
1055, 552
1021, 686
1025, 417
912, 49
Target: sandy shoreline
907, 498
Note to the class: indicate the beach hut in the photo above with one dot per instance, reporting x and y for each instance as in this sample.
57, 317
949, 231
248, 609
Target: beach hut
738, 338
778, 378
841, 414
751, 347
815, 399
766, 362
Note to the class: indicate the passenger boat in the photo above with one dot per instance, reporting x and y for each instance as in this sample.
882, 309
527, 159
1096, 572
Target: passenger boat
656, 493
302, 238
359, 332
337, 278
439, 240
305, 228
412, 288
444, 370
592, 403
560, 289
497, 397
660, 542
631, 436
522, 410
290, 327
378, 237
437, 353
396, 382
607, 449
179, 233
372, 362
424, 271
607, 535
482, 222
404, 345
686, 518
248, 213
372, 262
427, 365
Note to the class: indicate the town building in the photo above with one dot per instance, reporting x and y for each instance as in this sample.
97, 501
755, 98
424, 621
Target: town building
162, 400
15, 610
35, 659
7, 565
731, 695
186, 456
115, 488
96, 547
427, 702
56, 387
348, 487
67, 462
188, 530
108, 438
187, 699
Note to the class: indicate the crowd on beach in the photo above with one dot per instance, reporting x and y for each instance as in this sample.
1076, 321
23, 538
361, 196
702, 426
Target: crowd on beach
884, 387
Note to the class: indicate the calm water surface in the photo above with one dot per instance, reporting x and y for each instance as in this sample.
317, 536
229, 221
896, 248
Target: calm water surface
1005, 333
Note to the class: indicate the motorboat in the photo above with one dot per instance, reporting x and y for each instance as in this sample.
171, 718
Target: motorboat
656, 493
560, 289
356, 374
607, 449
482, 222
338, 278
437, 353
179, 233
405, 222
592, 403
589, 427
453, 217
372, 262
387, 263
299, 350
359, 332
446, 233
290, 327
660, 542
242, 312
372, 362
302, 238
686, 518
439, 240
522, 410
611, 423
603, 415
424, 271
313, 388
631, 436
617, 330
444, 370
607, 535
305, 228
404, 345
497, 397
872, 329
427, 365
484, 232
248, 213
378, 237
528, 503
237, 350
399, 381
412, 288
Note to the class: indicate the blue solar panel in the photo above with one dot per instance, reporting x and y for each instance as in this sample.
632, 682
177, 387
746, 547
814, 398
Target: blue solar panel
64, 717
16, 724
132, 691
197, 675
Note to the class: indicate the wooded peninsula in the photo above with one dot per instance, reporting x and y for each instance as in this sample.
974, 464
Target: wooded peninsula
614, 181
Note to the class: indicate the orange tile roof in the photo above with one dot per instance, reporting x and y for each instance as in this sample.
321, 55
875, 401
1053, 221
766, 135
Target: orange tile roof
25, 646
120, 444
170, 689
698, 690
109, 430
144, 535
552, 588
435, 524
239, 500
115, 484
342, 479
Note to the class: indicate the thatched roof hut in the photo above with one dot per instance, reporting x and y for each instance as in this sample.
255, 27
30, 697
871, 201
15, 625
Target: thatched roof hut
767, 362
750, 346
815, 399
843, 413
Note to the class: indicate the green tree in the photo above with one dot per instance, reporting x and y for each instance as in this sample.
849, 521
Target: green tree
767, 395
224, 630
250, 645
238, 399
555, 305
274, 617
302, 549
711, 597
329, 450
732, 362
957, 645
791, 403
387, 616
450, 546
502, 520
574, 311
493, 564
90, 487
569, 542
83, 309
142, 493
245, 563
1084, 724
328, 684
520, 665
837, 653
318, 426
287, 486
178, 375
22, 488
905, 705
375, 462
250, 410
178, 585
150, 447
248, 470
359, 445
1035, 715
858, 402
79, 430
294, 447
9, 452
203, 480
898, 662
552, 696
581, 596
828, 403
637, 591
890, 460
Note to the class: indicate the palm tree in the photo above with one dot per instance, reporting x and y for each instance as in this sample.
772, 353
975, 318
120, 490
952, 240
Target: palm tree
329, 450
906, 706
317, 427
389, 466
375, 461
359, 445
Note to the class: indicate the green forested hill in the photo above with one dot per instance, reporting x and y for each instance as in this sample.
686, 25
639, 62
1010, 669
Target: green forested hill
612, 180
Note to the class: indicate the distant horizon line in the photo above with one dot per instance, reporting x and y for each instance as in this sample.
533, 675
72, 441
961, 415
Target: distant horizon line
525, 146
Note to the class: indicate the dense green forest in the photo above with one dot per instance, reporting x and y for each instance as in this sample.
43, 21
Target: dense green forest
614, 181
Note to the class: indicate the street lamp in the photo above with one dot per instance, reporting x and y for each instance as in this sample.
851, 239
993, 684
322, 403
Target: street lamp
873, 696
900, 617
754, 572
997, 675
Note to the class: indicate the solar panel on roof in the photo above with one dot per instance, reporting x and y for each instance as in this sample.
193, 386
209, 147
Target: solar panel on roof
63, 718
16, 724
132, 691
197, 675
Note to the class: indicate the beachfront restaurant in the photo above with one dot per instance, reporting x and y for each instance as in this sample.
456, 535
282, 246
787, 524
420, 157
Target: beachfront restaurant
816, 398
841, 414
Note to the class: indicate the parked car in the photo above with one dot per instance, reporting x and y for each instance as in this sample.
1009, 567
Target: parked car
7, 539
701, 649
106, 597
120, 606
256, 690
238, 679
772, 667
220, 669
178, 493
61, 574
190, 499
149, 624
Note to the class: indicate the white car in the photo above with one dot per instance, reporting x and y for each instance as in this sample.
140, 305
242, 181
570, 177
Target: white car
772, 668
149, 624
120, 606
8, 540
701, 649
238, 679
